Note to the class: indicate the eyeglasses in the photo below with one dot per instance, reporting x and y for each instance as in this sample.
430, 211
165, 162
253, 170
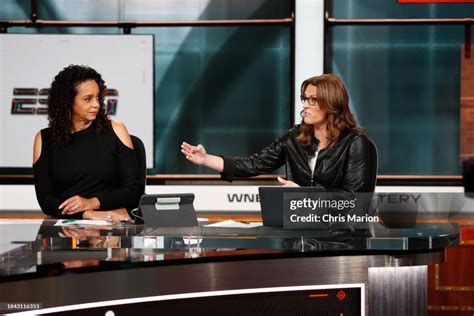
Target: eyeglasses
311, 100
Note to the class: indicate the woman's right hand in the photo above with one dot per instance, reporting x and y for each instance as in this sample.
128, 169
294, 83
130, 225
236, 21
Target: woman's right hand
196, 154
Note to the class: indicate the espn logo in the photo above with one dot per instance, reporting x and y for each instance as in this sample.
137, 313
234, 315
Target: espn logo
26, 100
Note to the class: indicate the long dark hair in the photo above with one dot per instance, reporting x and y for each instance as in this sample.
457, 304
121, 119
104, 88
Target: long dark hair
334, 100
61, 99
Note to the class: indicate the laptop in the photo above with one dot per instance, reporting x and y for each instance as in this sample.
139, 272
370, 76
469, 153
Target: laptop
271, 203
168, 210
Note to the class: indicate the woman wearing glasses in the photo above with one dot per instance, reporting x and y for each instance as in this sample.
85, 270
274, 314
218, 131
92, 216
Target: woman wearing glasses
326, 150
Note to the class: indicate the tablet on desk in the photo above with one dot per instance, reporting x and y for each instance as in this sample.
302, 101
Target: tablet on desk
168, 210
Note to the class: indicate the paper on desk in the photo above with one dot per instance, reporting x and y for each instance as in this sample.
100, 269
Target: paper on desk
233, 224
192, 240
82, 222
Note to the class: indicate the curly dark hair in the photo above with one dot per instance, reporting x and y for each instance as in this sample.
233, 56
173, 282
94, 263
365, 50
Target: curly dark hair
61, 99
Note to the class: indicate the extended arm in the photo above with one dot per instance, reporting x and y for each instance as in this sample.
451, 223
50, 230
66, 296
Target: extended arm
268, 159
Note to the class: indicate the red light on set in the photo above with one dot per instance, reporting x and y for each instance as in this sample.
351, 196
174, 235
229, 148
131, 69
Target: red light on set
319, 295
341, 295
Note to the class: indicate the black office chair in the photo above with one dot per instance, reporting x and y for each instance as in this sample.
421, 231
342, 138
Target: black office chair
141, 161
365, 200
373, 167
468, 176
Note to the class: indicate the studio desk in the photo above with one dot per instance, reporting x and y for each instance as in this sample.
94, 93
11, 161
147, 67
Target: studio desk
132, 270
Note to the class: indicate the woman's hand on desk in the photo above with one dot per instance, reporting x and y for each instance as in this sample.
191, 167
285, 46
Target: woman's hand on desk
115, 216
77, 204
287, 183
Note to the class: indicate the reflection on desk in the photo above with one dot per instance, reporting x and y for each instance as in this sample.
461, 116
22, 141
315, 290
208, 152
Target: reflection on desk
74, 247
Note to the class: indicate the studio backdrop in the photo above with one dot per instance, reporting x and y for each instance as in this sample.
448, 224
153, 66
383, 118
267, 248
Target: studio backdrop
28, 64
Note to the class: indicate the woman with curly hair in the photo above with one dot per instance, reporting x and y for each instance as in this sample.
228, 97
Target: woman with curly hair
326, 150
84, 163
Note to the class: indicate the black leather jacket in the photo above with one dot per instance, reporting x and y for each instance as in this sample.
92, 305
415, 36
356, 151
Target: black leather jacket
350, 164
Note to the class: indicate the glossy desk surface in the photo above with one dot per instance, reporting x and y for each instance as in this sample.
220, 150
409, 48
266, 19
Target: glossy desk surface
37, 248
